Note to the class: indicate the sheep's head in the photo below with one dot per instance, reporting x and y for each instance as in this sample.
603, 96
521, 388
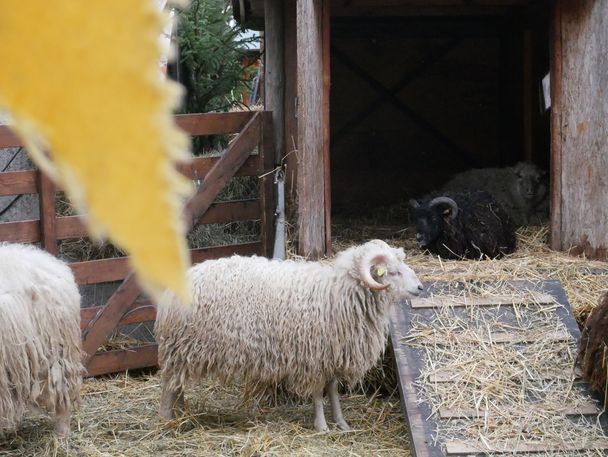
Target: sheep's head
528, 181
430, 218
380, 267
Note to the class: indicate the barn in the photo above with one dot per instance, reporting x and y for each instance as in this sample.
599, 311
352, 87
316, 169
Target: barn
377, 101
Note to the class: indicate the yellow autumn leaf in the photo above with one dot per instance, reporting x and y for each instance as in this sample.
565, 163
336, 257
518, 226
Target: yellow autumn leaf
81, 82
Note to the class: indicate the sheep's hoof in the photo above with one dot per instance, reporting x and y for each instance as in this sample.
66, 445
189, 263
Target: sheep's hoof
342, 425
166, 413
62, 428
321, 426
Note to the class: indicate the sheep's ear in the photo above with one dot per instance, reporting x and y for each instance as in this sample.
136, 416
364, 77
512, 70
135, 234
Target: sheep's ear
414, 203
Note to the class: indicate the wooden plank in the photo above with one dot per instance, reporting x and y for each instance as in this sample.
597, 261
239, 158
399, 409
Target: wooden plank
584, 128
8, 139
199, 124
439, 301
141, 310
586, 409
18, 182
48, 224
222, 171
555, 62
511, 447
267, 199
244, 249
121, 360
310, 181
452, 376
104, 323
200, 166
274, 73
20, 232
326, 45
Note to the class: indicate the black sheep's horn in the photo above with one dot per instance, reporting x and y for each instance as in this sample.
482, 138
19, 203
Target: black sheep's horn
448, 201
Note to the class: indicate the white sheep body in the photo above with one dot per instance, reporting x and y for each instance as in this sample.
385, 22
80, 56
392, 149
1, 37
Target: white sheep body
265, 322
40, 346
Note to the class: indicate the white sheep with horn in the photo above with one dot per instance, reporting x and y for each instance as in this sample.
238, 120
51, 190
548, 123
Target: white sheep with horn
306, 325
40, 348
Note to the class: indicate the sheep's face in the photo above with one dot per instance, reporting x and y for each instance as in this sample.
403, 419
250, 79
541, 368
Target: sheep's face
429, 222
403, 282
527, 181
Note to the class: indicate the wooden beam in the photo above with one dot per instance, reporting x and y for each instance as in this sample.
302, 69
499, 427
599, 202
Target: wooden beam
326, 44
8, 139
267, 204
223, 170
142, 310
556, 124
199, 124
511, 447
104, 323
310, 180
20, 232
48, 217
439, 301
198, 167
18, 182
121, 360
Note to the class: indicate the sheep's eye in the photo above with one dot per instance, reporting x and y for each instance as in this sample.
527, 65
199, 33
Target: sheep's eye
394, 273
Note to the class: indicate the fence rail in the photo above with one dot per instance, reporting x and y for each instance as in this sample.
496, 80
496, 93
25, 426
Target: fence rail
127, 306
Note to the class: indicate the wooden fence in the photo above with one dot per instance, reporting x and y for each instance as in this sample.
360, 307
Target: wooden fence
126, 305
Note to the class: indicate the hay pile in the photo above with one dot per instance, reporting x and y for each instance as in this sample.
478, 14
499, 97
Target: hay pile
118, 414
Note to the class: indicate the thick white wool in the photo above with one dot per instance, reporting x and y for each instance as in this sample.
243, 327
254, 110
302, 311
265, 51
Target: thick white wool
267, 322
40, 346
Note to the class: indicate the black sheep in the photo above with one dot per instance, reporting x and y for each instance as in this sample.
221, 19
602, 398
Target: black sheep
457, 225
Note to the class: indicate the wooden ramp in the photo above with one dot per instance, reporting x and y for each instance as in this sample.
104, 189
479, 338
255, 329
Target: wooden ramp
489, 369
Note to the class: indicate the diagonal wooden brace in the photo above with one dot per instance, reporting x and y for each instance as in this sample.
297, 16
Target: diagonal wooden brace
106, 320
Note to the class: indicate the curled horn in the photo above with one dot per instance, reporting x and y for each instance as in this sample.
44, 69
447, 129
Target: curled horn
447, 200
367, 262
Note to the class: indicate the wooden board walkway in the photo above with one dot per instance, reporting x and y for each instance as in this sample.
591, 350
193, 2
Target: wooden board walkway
427, 422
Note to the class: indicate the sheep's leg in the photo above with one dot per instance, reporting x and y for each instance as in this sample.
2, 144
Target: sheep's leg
336, 408
62, 421
170, 399
317, 400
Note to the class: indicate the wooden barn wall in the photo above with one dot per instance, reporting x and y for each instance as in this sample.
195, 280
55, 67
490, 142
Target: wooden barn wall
415, 100
582, 218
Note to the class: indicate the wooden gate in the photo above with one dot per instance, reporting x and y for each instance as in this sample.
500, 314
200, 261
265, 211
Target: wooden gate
127, 305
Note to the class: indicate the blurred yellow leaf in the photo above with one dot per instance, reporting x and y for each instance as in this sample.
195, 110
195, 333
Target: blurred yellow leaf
81, 81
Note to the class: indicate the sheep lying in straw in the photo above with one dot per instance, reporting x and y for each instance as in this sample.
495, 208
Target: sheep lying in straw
40, 349
520, 189
593, 354
304, 325
463, 225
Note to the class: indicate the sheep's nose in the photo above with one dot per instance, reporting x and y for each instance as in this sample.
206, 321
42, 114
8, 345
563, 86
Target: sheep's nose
420, 287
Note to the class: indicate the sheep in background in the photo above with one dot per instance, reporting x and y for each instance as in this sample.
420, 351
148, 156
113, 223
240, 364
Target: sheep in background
304, 325
459, 225
520, 190
40, 348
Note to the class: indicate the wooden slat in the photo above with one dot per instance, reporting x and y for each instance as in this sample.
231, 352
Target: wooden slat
326, 43
222, 171
439, 301
244, 249
267, 204
511, 447
121, 360
587, 409
141, 310
447, 375
8, 139
218, 213
555, 61
20, 232
199, 124
48, 223
102, 325
17, 182
200, 166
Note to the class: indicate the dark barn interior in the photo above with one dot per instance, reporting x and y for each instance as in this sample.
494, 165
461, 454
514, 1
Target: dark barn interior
417, 97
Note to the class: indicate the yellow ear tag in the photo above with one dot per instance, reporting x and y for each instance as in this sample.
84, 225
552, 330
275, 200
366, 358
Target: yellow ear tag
381, 271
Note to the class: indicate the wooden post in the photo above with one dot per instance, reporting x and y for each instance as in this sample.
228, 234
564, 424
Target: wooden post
267, 201
274, 76
48, 226
310, 180
556, 125
290, 120
327, 122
